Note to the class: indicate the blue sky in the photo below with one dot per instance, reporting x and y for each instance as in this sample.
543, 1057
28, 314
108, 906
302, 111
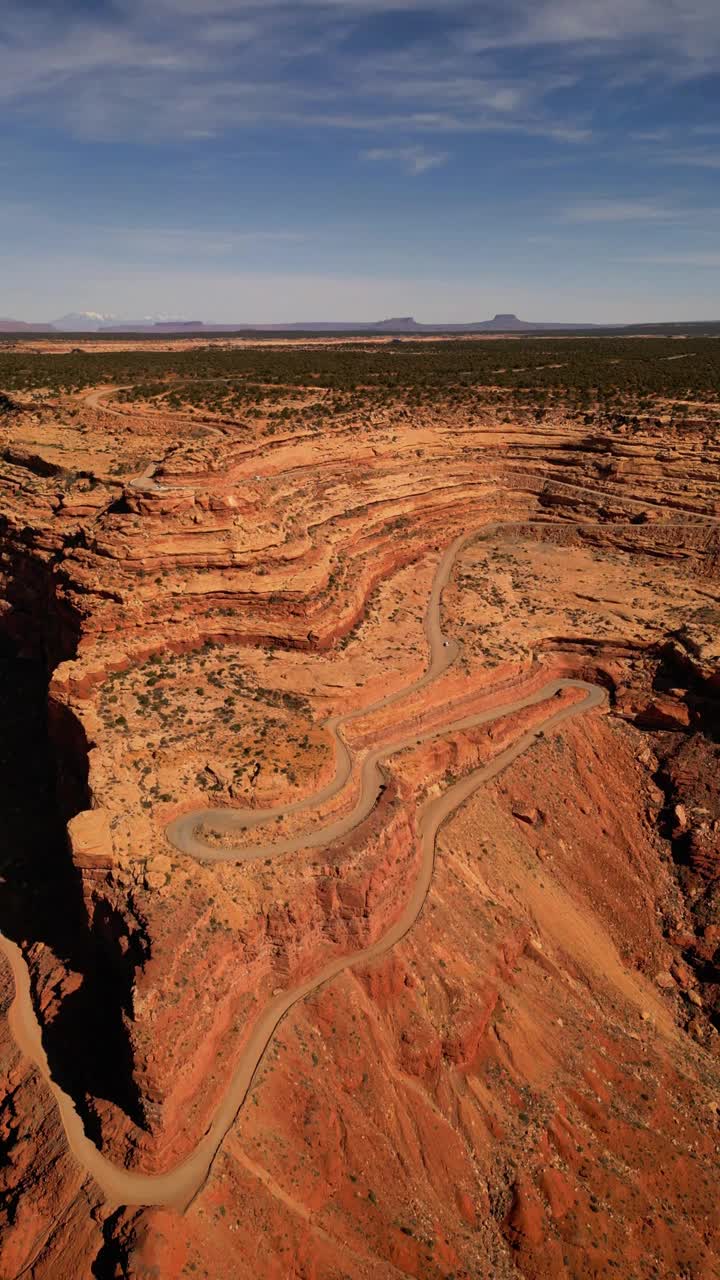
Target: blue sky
353, 159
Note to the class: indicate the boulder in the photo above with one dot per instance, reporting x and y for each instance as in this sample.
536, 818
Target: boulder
524, 814
90, 839
661, 712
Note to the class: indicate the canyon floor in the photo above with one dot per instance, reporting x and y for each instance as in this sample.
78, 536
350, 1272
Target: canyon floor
360, 771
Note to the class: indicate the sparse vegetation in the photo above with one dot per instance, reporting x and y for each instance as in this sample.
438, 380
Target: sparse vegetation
622, 373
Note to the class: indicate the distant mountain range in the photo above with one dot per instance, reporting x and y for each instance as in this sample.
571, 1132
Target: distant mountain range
95, 322
505, 322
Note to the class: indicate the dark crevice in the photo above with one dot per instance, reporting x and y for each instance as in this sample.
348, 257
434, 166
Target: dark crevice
111, 1263
688, 775
80, 982
120, 507
676, 675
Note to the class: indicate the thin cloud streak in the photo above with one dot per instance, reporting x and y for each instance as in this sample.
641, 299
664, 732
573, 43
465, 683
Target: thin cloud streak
706, 261
412, 160
622, 211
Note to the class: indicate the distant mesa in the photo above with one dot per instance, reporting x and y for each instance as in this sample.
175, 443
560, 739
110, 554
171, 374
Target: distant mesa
503, 322
399, 324
24, 326
163, 326
506, 320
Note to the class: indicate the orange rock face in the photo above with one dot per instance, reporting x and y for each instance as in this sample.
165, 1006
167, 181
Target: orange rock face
225, 631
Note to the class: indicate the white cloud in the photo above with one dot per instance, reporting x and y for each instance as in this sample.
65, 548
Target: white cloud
412, 160
194, 68
683, 35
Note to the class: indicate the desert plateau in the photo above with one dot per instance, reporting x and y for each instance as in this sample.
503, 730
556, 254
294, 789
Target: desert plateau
361, 791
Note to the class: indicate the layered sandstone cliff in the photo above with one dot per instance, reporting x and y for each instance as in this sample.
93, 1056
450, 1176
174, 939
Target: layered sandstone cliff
202, 609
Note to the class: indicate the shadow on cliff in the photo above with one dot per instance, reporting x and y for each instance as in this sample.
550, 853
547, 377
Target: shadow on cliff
85, 1039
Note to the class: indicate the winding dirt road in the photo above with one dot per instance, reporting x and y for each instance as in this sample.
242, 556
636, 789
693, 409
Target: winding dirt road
178, 1187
